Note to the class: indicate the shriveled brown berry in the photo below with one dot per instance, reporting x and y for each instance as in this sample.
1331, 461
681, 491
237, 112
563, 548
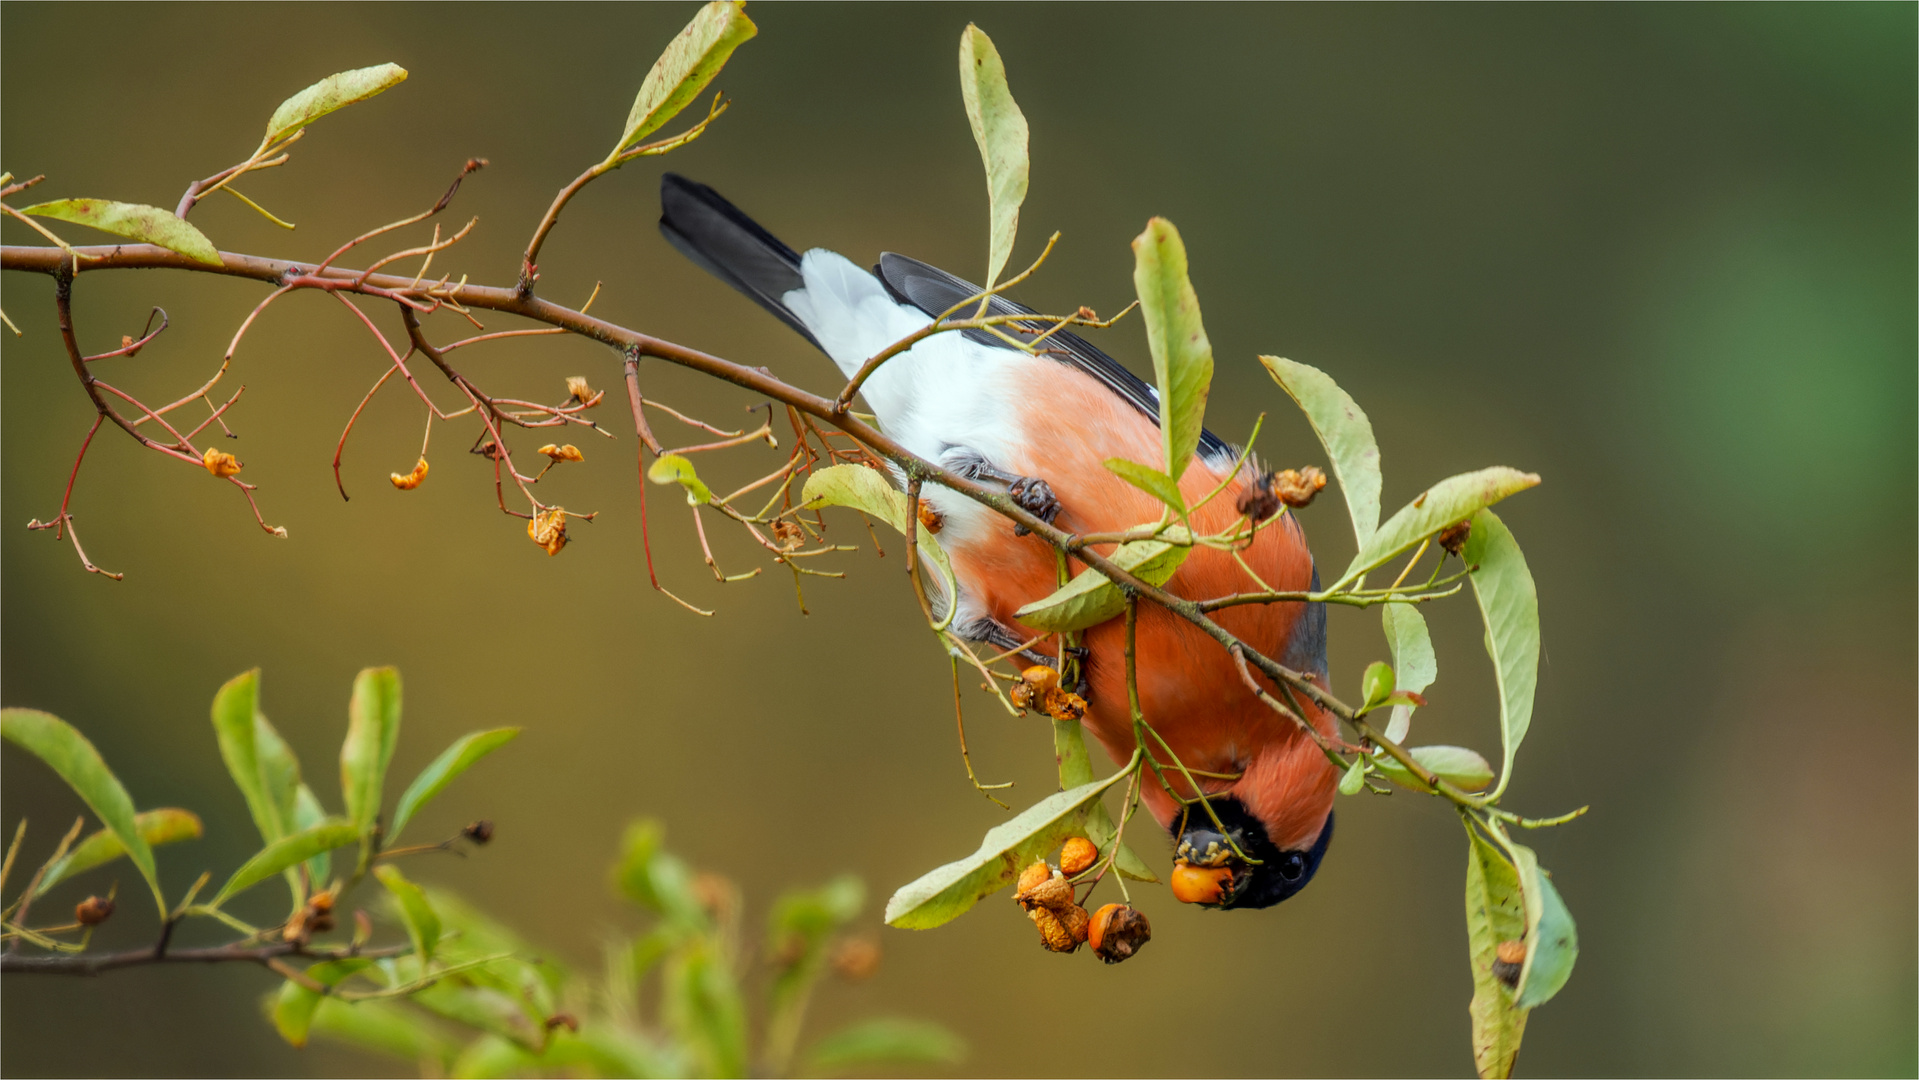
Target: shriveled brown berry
547, 528
856, 958
1041, 678
220, 463
1297, 487
1054, 893
479, 832
569, 452
93, 911
1453, 538
1021, 695
411, 480
563, 1020
1508, 959
1117, 932
1257, 500
789, 535
930, 519
1063, 929
1077, 856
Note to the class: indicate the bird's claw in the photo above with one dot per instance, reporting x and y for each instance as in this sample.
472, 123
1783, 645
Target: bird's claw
1035, 496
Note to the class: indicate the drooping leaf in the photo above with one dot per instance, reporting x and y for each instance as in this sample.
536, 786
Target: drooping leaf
1413, 660
453, 761
1354, 777
416, 911
1457, 765
1182, 356
674, 469
689, 63
288, 851
1090, 599
1495, 912
293, 1007
885, 1040
73, 758
1446, 503
156, 827
280, 785
947, 892
1000, 130
1509, 605
135, 221
654, 878
1552, 941
1343, 430
373, 729
329, 94
1151, 481
704, 1009
866, 490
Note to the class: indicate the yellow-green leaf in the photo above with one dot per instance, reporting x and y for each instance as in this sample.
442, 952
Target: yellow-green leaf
1462, 768
1090, 599
1552, 941
422, 923
1150, 480
327, 95
1446, 503
944, 894
135, 221
1509, 605
1076, 768
289, 851
1414, 663
293, 1007
1343, 430
886, 1040
156, 827
683, 70
373, 729
1182, 356
866, 490
1495, 912
1000, 130
674, 469
69, 754
452, 761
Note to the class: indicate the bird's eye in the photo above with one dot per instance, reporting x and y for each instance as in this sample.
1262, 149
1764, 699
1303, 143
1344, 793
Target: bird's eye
1292, 866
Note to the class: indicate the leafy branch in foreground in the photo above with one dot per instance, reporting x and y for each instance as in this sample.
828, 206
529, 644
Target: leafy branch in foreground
454, 991
1444, 541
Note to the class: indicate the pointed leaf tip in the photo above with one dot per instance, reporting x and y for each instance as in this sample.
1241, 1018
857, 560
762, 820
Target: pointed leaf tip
1182, 355
135, 221
999, 128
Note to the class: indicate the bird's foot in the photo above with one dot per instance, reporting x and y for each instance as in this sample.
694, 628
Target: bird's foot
1035, 496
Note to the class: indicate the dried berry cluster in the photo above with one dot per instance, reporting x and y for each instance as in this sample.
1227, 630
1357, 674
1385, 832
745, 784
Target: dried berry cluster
1038, 688
1116, 931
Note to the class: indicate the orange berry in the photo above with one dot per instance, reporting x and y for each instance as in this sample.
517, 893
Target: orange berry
1077, 856
1200, 884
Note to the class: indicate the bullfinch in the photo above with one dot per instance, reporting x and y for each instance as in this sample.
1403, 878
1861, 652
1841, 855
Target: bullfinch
1041, 425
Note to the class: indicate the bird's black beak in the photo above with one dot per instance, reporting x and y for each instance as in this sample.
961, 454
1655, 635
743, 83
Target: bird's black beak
1239, 867
1206, 870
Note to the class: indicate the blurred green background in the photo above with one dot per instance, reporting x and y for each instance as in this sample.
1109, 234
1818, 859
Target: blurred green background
1662, 255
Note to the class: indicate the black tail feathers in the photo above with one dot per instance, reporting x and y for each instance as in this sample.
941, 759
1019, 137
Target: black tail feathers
729, 245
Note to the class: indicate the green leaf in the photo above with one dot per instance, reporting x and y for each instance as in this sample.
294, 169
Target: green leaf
1090, 599
288, 851
702, 1006
1343, 430
422, 923
1151, 481
279, 774
1076, 768
674, 469
867, 490
373, 727
1354, 778
236, 726
1495, 912
1413, 661
486, 1008
1182, 357
135, 221
327, 95
1462, 768
384, 1028
655, 878
293, 1007
1377, 684
1446, 503
1552, 941
453, 761
683, 70
817, 913
156, 827
1509, 605
884, 1040
947, 892
1000, 130
68, 753
1100, 830
307, 812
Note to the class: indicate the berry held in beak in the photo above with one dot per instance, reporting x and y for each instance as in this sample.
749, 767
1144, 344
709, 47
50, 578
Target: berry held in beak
1201, 884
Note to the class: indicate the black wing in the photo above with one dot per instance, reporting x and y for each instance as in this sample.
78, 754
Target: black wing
934, 291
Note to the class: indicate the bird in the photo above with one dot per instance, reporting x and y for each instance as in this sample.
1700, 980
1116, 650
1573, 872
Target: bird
1040, 425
